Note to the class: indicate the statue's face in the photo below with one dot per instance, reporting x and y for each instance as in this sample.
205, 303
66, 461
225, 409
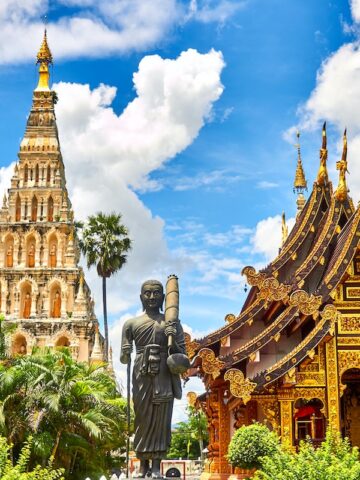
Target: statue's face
152, 297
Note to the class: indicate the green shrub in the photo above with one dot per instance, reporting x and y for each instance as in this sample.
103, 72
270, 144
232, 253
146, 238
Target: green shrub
335, 459
8, 471
250, 444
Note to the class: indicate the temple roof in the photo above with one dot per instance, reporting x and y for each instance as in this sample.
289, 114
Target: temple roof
289, 309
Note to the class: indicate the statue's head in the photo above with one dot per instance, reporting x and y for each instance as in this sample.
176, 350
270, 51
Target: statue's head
152, 295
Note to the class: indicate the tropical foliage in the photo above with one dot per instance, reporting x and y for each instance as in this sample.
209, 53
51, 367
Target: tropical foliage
5, 329
72, 411
250, 444
335, 459
20, 471
105, 243
188, 438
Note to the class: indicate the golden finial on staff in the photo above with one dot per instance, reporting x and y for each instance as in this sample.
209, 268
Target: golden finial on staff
322, 176
342, 190
44, 58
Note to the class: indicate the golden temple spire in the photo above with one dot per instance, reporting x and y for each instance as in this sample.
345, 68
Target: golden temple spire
44, 59
300, 183
322, 176
342, 190
284, 229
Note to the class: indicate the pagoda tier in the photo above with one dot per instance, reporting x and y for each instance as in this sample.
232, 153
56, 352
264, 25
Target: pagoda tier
43, 290
296, 341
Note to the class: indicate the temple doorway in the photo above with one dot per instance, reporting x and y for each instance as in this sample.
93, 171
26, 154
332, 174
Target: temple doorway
350, 406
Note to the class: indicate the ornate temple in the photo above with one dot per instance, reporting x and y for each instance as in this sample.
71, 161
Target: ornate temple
43, 291
291, 357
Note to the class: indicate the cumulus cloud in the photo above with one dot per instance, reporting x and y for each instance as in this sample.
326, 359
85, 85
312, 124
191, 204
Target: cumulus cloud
267, 237
107, 155
336, 98
94, 28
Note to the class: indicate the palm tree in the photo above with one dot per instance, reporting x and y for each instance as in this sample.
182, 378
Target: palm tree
105, 243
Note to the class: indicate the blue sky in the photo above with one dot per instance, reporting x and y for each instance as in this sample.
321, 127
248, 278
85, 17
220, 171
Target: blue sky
201, 162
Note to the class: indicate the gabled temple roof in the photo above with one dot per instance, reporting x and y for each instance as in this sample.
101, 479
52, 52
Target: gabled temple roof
294, 290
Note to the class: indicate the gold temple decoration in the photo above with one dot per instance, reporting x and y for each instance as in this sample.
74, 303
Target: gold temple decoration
210, 364
322, 176
270, 289
348, 359
332, 385
191, 398
307, 304
44, 59
300, 183
190, 345
284, 229
230, 318
342, 190
271, 410
239, 386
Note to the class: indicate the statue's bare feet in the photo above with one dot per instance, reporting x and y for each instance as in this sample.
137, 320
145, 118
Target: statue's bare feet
155, 469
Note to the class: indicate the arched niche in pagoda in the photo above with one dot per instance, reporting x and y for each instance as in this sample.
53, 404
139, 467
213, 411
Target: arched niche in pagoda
9, 251
25, 299
30, 251
50, 209
53, 250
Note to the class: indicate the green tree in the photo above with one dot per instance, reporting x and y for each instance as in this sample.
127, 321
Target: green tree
5, 329
335, 459
20, 471
250, 444
189, 437
105, 243
72, 410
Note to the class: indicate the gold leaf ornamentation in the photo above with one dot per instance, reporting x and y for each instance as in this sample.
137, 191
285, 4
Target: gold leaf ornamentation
239, 386
272, 290
191, 398
307, 304
210, 364
253, 279
190, 345
230, 318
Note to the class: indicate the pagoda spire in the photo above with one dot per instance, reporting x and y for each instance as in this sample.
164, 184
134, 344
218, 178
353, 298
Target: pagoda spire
342, 190
44, 59
322, 176
300, 183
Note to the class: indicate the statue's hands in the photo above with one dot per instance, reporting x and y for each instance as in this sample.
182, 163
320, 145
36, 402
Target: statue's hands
170, 330
125, 354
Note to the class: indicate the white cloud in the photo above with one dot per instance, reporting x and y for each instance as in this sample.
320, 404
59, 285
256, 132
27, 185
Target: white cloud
355, 9
267, 237
264, 184
207, 11
106, 154
96, 27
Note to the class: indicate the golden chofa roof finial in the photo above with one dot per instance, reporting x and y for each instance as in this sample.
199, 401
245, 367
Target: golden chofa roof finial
284, 229
300, 183
342, 190
322, 176
44, 59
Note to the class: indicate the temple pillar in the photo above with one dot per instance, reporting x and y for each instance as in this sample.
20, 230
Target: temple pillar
332, 382
286, 416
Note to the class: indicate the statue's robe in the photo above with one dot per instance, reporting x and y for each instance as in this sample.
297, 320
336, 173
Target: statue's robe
153, 395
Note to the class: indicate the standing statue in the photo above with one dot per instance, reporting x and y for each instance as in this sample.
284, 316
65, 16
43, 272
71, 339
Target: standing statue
31, 256
160, 358
56, 310
9, 256
53, 256
27, 306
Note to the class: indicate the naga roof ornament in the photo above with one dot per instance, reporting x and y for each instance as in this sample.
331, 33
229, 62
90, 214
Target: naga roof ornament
342, 190
284, 229
322, 176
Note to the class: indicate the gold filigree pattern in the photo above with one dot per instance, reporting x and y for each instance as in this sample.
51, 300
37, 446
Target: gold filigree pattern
239, 386
271, 411
310, 393
310, 378
191, 398
210, 364
349, 324
253, 279
286, 420
348, 341
272, 290
332, 385
348, 359
230, 318
307, 304
191, 346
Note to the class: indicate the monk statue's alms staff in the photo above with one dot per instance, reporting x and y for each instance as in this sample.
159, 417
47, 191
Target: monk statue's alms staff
171, 308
